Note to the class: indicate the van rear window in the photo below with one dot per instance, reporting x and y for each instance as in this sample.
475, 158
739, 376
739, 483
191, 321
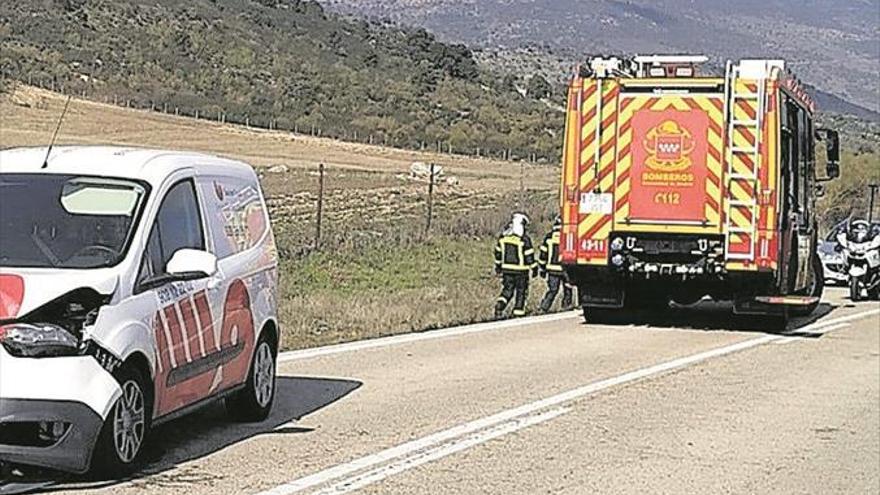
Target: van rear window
235, 214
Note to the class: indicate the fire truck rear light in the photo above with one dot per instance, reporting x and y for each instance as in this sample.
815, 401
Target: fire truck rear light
684, 72
657, 72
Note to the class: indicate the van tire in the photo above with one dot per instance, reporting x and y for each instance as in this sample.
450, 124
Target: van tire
114, 455
254, 402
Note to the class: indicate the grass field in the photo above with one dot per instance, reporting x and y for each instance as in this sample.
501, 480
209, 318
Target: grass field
377, 273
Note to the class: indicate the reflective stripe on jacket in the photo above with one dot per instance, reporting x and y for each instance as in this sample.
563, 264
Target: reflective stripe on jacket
548, 254
514, 253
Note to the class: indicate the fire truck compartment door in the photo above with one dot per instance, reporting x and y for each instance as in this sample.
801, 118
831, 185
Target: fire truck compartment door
669, 163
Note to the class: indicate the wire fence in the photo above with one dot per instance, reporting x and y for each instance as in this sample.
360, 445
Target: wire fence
332, 208
285, 123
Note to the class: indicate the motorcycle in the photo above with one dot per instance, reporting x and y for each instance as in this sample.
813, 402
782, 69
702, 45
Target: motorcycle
860, 245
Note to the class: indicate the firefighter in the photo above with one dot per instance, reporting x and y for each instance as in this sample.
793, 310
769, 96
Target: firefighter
551, 269
514, 260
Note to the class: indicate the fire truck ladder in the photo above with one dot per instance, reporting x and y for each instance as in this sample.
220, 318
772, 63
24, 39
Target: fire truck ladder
744, 178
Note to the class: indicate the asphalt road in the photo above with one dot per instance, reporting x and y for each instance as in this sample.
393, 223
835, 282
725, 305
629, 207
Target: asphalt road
695, 401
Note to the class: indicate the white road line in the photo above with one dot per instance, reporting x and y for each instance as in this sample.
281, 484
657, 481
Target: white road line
416, 337
423, 457
372, 461
808, 335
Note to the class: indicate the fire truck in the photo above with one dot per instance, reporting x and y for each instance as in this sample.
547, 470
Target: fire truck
677, 185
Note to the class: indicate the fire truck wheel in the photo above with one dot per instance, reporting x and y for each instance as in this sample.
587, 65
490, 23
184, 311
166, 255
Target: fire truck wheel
599, 315
815, 290
651, 302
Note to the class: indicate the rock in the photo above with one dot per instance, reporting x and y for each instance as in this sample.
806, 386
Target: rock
422, 170
452, 181
278, 169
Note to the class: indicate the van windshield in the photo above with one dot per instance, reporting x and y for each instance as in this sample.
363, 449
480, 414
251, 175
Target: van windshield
65, 221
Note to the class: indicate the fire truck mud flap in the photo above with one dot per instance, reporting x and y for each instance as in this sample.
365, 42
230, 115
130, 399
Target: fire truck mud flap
776, 305
600, 290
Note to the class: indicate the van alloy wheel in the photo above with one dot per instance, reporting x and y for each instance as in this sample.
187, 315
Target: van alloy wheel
264, 374
129, 422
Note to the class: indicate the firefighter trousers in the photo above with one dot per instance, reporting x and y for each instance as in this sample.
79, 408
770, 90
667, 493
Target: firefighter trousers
513, 286
555, 280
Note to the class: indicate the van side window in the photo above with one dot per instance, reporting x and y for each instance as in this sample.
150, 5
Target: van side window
235, 214
178, 225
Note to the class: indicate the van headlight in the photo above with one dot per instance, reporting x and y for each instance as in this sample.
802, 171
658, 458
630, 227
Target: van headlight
38, 340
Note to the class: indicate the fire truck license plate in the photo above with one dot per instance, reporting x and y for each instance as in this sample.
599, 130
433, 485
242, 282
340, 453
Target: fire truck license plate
596, 203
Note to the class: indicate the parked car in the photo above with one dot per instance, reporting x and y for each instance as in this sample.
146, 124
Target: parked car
833, 261
135, 286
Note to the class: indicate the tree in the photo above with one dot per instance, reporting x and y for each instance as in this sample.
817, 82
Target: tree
538, 87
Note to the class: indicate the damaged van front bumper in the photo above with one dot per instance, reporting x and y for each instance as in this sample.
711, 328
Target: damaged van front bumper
52, 410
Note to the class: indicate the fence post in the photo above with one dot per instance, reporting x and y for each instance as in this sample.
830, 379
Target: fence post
430, 200
873, 188
320, 213
522, 173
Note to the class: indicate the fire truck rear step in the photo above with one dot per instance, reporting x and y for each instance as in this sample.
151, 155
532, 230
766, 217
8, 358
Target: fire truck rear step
787, 300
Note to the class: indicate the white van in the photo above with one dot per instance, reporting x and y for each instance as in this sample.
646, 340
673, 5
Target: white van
135, 286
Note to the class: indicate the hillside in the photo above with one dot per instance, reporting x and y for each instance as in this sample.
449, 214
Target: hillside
377, 272
832, 44
281, 63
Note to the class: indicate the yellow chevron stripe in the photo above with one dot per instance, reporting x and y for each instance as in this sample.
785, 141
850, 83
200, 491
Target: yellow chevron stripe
714, 113
737, 191
589, 128
712, 190
603, 232
738, 218
711, 214
588, 223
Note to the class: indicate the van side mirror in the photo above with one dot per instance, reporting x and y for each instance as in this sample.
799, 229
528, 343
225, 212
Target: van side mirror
832, 150
191, 264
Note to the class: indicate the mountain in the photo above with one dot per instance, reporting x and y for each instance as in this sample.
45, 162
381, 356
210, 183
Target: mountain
832, 44
286, 63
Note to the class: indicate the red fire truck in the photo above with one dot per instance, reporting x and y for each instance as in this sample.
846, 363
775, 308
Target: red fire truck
677, 186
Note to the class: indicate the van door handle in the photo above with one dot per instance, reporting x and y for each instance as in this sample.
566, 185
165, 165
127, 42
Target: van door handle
214, 283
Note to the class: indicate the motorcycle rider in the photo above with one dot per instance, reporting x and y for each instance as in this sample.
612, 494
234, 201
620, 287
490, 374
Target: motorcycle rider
861, 246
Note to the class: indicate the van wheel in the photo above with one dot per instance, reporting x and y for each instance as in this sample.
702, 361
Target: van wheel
121, 441
254, 402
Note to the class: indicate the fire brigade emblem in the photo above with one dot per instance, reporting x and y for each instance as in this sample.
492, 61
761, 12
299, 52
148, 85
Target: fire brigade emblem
669, 146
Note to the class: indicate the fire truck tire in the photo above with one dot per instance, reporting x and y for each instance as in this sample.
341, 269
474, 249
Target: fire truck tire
815, 290
593, 314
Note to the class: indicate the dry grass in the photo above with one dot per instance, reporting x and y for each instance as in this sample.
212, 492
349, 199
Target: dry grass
378, 273
30, 114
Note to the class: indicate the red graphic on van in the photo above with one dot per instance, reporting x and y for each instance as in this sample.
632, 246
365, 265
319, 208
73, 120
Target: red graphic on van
11, 295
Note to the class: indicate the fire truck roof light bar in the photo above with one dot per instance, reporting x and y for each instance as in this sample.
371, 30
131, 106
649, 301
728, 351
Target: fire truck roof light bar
670, 59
